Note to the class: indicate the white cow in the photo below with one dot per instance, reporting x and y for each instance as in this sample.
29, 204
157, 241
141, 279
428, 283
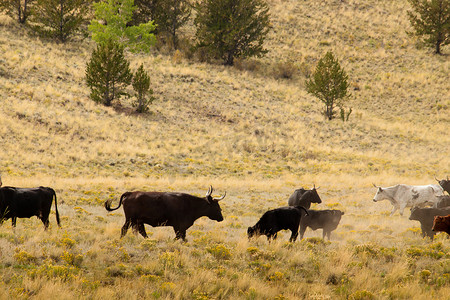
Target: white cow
402, 195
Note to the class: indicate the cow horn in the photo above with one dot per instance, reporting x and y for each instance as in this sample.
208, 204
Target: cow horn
436, 179
376, 186
210, 190
220, 198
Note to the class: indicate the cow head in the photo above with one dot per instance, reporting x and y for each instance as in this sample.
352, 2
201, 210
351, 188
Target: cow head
214, 210
314, 195
251, 232
439, 224
254, 231
444, 183
415, 214
380, 195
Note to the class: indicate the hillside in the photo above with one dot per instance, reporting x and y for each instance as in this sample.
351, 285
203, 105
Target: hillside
244, 129
209, 119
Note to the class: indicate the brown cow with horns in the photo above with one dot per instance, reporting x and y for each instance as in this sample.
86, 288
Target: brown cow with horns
178, 210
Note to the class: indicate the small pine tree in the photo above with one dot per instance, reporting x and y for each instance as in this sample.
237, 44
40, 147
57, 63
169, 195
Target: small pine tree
141, 85
329, 83
19, 9
58, 19
110, 23
108, 73
431, 19
232, 28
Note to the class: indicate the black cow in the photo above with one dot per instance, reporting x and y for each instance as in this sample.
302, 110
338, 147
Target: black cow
327, 219
426, 217
274, 220
444, 201
1, 180
166, 209
445, 184
304, 198
27, 202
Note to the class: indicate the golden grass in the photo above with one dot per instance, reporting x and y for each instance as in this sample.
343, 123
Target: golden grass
245, 130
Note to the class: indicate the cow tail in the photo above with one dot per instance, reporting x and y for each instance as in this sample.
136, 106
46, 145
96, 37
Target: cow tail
56, 209
108, 202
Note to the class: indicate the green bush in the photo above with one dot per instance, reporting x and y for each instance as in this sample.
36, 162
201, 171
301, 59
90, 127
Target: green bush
220, 252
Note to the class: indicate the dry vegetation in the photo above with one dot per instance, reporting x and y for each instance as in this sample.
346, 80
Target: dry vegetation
247, 130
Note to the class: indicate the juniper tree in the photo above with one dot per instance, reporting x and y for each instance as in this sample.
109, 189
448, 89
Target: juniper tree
141, 85
58, 18
232, 28
329, 83
19, 9
431, 19
108, 72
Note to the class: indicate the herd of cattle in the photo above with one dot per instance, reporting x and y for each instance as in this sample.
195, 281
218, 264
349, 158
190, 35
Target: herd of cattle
180, 210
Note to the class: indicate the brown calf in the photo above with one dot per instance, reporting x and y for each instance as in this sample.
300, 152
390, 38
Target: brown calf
441, 223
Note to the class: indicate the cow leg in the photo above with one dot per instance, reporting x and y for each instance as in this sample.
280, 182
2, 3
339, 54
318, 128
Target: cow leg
402, 208
125, 228
302, 231
393, 210
141, 228
294, 232
46, 223
180, 235
293, 236
424, 231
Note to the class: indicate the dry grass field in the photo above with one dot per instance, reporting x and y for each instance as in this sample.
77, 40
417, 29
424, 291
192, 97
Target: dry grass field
247, 130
